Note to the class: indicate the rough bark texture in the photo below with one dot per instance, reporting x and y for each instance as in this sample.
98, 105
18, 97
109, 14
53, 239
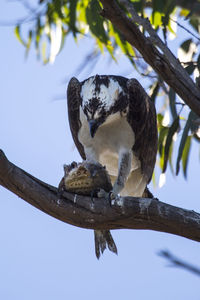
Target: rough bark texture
162, 60
82, 211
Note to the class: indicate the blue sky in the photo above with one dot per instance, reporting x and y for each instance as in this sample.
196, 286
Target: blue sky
41, 257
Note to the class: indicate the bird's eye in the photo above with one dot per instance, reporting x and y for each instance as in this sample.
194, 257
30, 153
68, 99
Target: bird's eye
124, 112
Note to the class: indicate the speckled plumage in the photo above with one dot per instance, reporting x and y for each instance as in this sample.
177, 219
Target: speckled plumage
128, 119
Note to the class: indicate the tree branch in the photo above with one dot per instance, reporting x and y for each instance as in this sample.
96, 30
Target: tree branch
162, 61
176, 262
97, 213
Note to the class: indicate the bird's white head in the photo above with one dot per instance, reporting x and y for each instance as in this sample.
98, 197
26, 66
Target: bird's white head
102, 96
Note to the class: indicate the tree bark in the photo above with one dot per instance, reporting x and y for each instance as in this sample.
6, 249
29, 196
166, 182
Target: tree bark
162, 60
99, 213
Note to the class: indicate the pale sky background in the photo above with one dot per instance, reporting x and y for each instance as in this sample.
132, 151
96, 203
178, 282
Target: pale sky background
41, 257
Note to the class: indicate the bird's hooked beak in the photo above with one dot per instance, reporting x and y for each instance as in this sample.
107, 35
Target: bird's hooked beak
93, 126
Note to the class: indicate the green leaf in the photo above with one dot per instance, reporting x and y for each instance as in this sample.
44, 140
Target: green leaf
195, 22
72, 16
154, 179
155, 92
185, 155
58, 8
29, 42
186, 45
170, 157
18, 36
159, 119
194, 125
172, 105
172, 130
49, 12
43, 51
157, 19
138, 5
125, 47
95, 21
184, 139
162, 135
190, 68
184, 12
38, 36
158, 5
157, 14
169, 7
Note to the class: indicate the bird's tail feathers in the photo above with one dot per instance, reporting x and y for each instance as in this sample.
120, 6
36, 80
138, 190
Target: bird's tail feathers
103, 239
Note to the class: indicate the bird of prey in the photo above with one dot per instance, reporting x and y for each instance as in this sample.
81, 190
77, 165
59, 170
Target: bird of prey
113, 122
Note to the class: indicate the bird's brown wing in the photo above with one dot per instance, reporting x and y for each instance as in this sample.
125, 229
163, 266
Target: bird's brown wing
73, 103
142, 119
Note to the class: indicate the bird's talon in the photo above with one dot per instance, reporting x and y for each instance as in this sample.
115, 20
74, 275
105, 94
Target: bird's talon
108, 196
92, 195
102, 194
112, 196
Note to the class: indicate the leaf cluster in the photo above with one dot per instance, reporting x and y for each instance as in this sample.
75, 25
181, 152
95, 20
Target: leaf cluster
54, 20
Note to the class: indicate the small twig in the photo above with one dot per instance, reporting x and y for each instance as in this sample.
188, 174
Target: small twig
135, 56
29, 18
184, 28
179, 103
27, 6
176, 262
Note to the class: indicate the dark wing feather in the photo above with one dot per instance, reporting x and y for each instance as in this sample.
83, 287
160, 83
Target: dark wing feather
73, 103
142, 119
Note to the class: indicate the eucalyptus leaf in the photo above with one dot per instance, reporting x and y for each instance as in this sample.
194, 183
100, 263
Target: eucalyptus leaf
186, 130
18, 35
172, 105
190, 68
29, 42
155, 92
186, 45
161, 139
185, 155
172, 130
72, 16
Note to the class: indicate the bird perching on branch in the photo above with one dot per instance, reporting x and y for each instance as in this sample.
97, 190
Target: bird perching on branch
113, 122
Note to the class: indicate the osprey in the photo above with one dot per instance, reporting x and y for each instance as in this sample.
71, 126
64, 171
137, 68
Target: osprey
113, 122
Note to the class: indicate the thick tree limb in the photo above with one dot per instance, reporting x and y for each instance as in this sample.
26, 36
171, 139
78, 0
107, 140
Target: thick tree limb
163, 61
81, 211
